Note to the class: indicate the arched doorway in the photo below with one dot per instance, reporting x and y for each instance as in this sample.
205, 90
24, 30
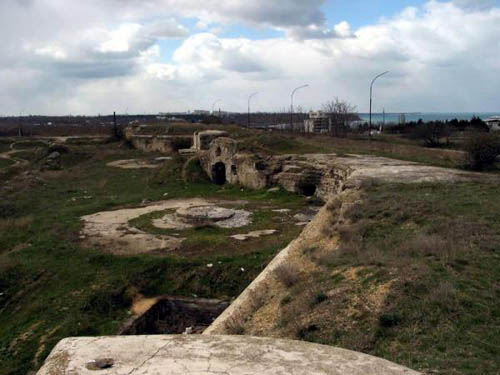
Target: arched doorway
219, 173
307, 189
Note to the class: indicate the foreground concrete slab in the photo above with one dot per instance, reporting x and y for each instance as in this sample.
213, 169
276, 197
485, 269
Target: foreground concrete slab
197, 355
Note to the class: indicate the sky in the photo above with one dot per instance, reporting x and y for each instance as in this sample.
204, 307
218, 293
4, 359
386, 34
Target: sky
91, 57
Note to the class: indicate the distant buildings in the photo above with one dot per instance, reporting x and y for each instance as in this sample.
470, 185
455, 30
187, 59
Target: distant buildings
318, 122
201, 112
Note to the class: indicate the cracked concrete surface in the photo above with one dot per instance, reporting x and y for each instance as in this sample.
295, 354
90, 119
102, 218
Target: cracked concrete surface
111, 229
390, 170
207, 355
133, 164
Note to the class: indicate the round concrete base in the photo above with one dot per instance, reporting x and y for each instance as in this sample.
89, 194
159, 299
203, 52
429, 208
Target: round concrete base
193, 354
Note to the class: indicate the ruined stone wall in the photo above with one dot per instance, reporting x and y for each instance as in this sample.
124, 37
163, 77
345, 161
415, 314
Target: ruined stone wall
203, 139
160, 143
222, 157
294, 173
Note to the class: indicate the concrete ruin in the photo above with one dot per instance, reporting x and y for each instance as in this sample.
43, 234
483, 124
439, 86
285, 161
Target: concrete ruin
156, 143
201, 216
320, 175
208, 355
175, 315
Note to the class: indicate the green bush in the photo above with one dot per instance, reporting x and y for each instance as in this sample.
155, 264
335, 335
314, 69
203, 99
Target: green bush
482, 150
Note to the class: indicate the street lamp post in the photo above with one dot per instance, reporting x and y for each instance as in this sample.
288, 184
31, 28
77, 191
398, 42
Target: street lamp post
248, 118
213, 105
371, 91
20, 127
291, 106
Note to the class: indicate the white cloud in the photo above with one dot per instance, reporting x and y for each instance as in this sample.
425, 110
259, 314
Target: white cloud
119, 40
166, 29
53, 52
442, 56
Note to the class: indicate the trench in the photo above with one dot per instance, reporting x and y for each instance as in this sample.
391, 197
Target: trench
176, 315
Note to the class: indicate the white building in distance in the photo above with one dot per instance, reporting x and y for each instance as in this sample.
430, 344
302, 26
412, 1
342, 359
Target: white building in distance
318, 122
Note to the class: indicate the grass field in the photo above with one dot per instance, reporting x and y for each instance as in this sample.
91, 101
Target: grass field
4, 163
416, 280
52, 287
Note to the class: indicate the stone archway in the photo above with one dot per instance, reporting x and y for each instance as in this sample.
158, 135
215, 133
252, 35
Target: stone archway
219, 173
307, 189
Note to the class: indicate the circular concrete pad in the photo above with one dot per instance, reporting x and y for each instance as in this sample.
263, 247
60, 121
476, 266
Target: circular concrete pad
207, 355
204, 213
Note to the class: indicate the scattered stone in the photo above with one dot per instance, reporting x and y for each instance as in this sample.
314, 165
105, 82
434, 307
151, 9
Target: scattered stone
187, 151
188, 331
255, 234
60, 149
306, 216
163, 159
282, 211
273, 190
53, 155
211, 214
196, 216
100, 364
133, 164
242, 269
210, 265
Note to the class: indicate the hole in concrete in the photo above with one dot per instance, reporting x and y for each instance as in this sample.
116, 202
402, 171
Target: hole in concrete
218, 152
307, 189
219, 173
260, 165
176, 315
233, 169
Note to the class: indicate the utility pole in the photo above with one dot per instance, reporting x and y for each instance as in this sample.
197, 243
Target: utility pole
213, 105
115, 127
371, 91
20, 126
248, 118
383, 120
291, 106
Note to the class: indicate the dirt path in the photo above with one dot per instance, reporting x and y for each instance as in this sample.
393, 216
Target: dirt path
7, 156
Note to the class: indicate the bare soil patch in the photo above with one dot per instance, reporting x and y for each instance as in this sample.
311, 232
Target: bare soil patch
111, 230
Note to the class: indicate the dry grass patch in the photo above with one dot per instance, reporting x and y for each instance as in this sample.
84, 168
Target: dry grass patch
235, 324
16, 223
288, 274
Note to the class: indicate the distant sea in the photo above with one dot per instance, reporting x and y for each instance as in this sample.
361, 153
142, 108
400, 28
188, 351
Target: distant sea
425, 116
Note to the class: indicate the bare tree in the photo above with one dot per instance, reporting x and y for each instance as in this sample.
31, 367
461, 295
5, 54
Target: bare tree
341, 113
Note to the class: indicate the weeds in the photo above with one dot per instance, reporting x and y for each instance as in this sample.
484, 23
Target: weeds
235, 324
287, 274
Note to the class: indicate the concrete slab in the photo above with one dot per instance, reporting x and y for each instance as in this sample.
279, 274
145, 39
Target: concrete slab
197, 355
